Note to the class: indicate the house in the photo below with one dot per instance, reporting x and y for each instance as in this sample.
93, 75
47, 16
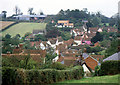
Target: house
111, 29
64, 23
43, 45
68, 42
91, 62
86, 39
93, 30
30, 37
68, 57
77, 32
100, 30
39, 31
30, 17
35, 44
96, 44
78, 40
98, 57
115, 56
55, 42
86, 69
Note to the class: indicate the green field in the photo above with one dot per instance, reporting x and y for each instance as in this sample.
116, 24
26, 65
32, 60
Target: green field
23, 28
99, 79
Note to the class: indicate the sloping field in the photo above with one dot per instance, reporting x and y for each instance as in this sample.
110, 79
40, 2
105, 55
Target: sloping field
99, 79
23, 28
4, 24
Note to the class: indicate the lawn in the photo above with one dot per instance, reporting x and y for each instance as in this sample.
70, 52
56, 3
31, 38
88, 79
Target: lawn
93, 80
23, 28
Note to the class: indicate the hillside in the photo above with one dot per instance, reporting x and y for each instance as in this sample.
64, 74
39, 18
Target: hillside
4, 24
99, 79
22, 28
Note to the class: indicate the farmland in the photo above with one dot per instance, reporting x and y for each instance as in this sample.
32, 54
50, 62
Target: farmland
23, 28
4, 24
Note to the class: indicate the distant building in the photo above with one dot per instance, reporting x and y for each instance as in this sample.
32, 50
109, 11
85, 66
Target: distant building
64, 23
39, 31
1, 15
30, 17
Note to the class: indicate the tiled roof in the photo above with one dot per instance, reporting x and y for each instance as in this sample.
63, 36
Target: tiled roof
63, 21
97, 57
115, 56
93, 29
53, 40
85, 55
91, 63
69, 42
61, 47
36, 31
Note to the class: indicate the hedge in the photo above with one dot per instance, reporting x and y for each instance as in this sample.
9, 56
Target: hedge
110, 68
17, 76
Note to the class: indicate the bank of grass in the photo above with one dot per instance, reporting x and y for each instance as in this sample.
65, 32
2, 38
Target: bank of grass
23, 28
94, 80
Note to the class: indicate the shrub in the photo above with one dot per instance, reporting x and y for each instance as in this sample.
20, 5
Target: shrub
110, 68
17, 76
58, 66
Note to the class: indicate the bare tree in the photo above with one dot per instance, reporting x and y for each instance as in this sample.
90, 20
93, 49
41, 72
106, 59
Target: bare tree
16, 10
30, 10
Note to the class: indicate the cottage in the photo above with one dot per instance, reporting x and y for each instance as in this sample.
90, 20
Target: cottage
91, 62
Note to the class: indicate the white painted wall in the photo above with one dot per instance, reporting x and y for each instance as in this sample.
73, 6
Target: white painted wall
85, 68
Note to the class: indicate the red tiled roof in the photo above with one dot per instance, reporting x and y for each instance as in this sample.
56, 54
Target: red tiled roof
93, 29
91, 63
69, 42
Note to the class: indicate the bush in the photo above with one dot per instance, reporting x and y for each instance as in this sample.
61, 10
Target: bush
58, 66
17, 76
110, 68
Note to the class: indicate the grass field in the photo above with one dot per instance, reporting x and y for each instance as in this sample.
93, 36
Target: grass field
23, 28
99, 79
4, 24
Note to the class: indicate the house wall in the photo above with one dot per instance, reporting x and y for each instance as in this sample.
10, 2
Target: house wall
42, 46
85, 68
78, 41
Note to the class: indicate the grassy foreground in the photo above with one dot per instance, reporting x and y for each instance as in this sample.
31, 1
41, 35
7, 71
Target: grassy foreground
99, 79
22, 28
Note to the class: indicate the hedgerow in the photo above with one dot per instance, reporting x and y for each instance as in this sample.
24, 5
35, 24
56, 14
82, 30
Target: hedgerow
18, 76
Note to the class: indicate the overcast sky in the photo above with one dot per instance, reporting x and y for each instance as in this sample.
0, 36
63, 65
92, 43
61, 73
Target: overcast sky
106, 7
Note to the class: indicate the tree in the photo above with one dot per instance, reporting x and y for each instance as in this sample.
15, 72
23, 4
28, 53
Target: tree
41, 13
16, 10
30, 11
66, 35
40, 37
53, 33
8, 36
97, 37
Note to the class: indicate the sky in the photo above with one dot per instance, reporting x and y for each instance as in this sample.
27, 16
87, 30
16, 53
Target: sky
106, 7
